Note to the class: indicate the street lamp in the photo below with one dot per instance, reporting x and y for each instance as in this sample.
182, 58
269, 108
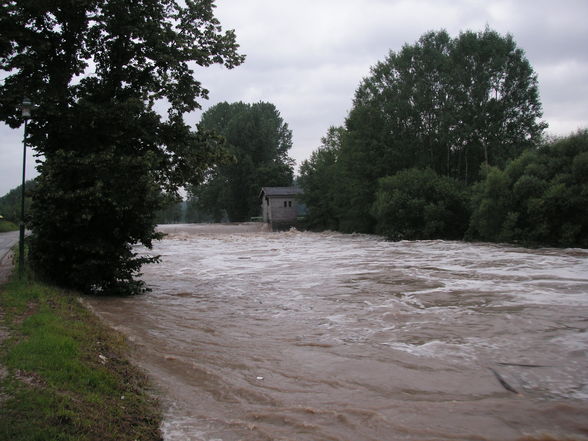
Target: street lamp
26, 108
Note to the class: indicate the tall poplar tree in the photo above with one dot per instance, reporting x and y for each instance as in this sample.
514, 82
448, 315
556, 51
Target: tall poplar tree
449, 104
320, 181
96, 71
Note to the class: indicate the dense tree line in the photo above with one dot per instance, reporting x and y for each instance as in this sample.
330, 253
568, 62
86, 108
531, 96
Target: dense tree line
541, 197
183, 212
436, 136
258, 140
10, 203
96, 69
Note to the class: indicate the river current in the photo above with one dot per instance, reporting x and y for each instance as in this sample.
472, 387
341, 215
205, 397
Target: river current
250, 335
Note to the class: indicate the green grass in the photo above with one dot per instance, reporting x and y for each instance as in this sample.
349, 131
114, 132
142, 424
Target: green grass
6, 226
68, 378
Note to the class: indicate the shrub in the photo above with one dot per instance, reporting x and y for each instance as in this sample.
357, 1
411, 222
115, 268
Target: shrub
420, 204
541, 198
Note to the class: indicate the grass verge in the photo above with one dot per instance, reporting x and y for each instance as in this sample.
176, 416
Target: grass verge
64, 375
6, 226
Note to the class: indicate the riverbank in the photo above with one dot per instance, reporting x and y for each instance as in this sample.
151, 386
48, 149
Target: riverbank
64, 375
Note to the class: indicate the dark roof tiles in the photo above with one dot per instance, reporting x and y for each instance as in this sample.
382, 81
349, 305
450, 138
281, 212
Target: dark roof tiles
280, 191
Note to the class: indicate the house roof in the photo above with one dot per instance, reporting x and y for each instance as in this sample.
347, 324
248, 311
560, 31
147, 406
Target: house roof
280, 191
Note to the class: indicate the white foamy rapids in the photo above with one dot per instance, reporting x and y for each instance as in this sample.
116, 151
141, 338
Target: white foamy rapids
292, 335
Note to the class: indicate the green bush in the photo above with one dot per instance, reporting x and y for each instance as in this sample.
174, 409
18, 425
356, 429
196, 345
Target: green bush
541, 198
6, 226
492, 218
420, 204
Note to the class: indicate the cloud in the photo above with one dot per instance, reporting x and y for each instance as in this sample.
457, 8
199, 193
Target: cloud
309, 56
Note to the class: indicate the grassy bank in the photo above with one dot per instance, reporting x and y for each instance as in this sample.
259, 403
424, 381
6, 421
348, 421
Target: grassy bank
64, 375
6, 226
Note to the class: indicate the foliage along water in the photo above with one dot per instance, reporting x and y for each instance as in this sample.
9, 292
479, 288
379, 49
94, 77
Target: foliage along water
275, 336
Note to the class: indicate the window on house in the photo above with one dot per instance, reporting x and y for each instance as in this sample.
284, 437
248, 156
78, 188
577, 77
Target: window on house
289, 203
285, 203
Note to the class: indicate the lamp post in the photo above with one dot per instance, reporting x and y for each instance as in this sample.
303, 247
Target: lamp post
26, 107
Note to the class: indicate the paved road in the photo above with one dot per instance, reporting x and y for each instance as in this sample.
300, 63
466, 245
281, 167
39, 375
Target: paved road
7, 241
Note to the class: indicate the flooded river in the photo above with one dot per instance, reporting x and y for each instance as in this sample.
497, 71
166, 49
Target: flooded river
300, 336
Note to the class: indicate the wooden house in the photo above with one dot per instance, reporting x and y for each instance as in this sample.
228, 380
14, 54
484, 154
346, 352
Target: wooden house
280, 207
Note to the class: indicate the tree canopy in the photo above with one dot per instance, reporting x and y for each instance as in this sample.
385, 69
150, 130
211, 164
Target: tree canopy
258, 140
319, 178
97, 70
444, 104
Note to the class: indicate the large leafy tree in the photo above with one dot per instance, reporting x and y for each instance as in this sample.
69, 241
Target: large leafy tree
448, 104
259, 140
320, 181
97, 70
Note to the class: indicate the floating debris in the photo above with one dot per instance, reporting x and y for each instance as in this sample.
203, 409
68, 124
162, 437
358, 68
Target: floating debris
503, 382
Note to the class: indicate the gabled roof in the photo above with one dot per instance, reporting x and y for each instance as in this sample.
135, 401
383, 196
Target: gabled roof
279, 191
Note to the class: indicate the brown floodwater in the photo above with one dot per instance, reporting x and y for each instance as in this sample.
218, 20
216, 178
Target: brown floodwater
250, 335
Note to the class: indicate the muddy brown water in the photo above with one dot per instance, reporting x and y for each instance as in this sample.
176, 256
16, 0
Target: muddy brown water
257, 336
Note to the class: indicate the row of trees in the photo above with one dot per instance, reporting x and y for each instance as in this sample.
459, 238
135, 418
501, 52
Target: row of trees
538, 198
434, 147
541, 197
184, 212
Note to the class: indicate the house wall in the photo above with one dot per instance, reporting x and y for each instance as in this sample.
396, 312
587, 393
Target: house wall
279, 213
265, 209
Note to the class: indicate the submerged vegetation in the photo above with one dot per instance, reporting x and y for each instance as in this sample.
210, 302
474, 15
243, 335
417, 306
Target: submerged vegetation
64, 375
444, 141
539, 198
420, 204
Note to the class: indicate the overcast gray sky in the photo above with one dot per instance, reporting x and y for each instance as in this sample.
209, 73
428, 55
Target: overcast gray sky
308, 56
